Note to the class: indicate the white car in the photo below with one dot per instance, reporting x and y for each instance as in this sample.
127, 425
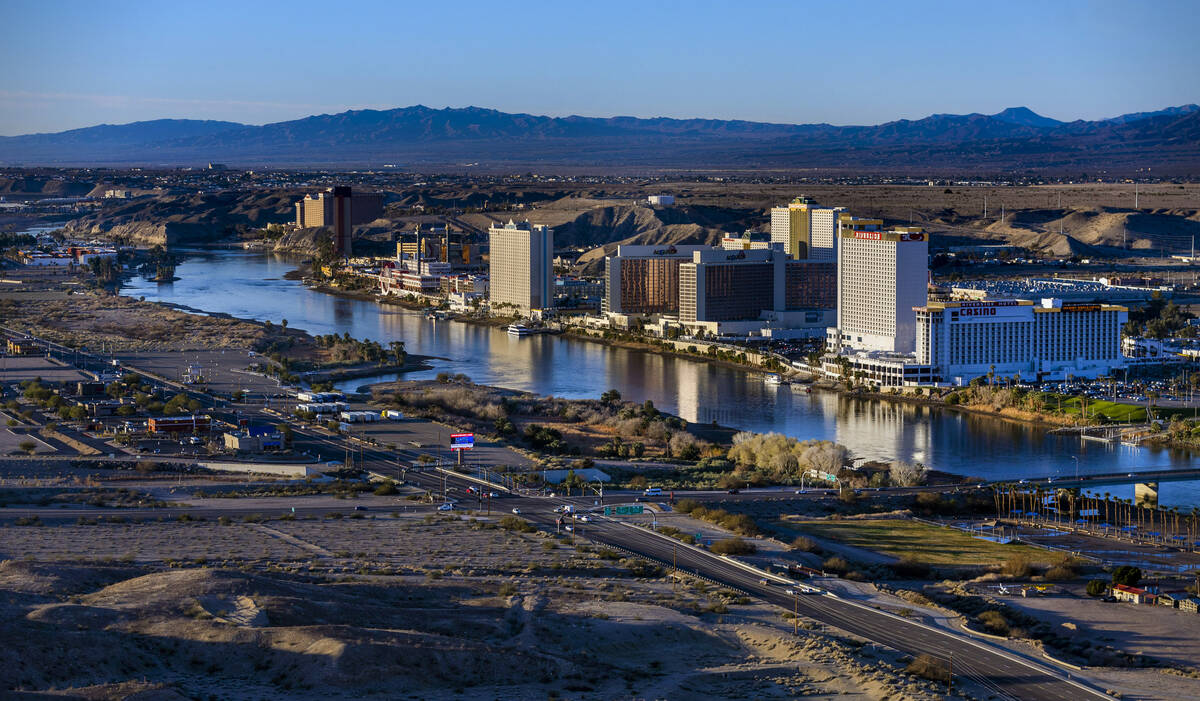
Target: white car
516, 510
446, 507
584, 518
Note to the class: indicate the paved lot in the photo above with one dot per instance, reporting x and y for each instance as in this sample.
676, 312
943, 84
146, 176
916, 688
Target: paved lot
434, 440
10, 442
21, 368
224, 371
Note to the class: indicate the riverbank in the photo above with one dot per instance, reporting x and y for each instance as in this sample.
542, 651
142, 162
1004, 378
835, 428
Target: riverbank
1006, 413
413, 363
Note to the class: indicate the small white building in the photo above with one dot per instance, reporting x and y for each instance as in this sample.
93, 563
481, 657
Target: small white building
661, 200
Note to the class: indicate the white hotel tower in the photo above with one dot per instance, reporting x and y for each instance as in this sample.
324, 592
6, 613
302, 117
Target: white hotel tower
882, 276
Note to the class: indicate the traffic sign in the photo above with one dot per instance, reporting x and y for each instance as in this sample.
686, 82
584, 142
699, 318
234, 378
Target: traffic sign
462, 441
623, 510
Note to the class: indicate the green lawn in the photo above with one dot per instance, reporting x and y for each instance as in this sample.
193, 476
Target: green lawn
932, 545
1117, 413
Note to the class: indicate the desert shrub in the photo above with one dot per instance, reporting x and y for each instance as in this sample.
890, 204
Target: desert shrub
1097, 587
519, 525
388, 488
929, 503
741, 524
687, 506
805, 544
641, 568
27, 446
995, 622
733, 546
507, 589
910, 568
1060, 573
929, 667
1017, 566
836, 564
685, 446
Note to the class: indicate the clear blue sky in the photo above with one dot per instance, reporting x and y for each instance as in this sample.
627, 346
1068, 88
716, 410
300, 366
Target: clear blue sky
73, 64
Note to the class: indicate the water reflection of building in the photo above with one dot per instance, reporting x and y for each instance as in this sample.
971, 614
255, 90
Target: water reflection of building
893, 431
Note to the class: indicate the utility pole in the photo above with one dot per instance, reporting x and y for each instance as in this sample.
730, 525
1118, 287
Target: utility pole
950, 678
675, 567
795, 613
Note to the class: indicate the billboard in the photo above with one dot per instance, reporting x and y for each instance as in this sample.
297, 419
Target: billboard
462, 441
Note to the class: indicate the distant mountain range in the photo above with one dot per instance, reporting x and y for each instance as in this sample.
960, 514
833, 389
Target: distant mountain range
1014, 140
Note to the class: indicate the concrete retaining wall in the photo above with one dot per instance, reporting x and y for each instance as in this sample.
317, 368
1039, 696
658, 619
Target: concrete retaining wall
282, 469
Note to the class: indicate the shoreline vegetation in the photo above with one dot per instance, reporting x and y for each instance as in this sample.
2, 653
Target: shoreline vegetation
637, 444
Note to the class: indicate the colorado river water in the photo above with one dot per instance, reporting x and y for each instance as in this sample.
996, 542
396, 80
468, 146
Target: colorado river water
251, 285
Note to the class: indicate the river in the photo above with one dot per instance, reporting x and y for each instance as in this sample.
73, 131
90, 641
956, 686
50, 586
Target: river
251, 285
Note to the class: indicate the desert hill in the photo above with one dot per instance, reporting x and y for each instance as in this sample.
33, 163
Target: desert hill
181, 219
1013, 139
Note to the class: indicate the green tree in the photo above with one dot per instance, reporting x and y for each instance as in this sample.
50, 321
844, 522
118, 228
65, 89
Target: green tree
1127, 575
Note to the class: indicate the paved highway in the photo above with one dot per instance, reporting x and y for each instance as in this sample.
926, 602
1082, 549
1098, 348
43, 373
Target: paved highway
1003, 674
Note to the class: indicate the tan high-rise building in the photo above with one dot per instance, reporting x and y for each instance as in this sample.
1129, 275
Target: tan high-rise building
808, 231
521, 266
341, 210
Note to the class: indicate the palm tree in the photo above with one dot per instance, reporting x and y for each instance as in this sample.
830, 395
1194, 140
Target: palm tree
397, 348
